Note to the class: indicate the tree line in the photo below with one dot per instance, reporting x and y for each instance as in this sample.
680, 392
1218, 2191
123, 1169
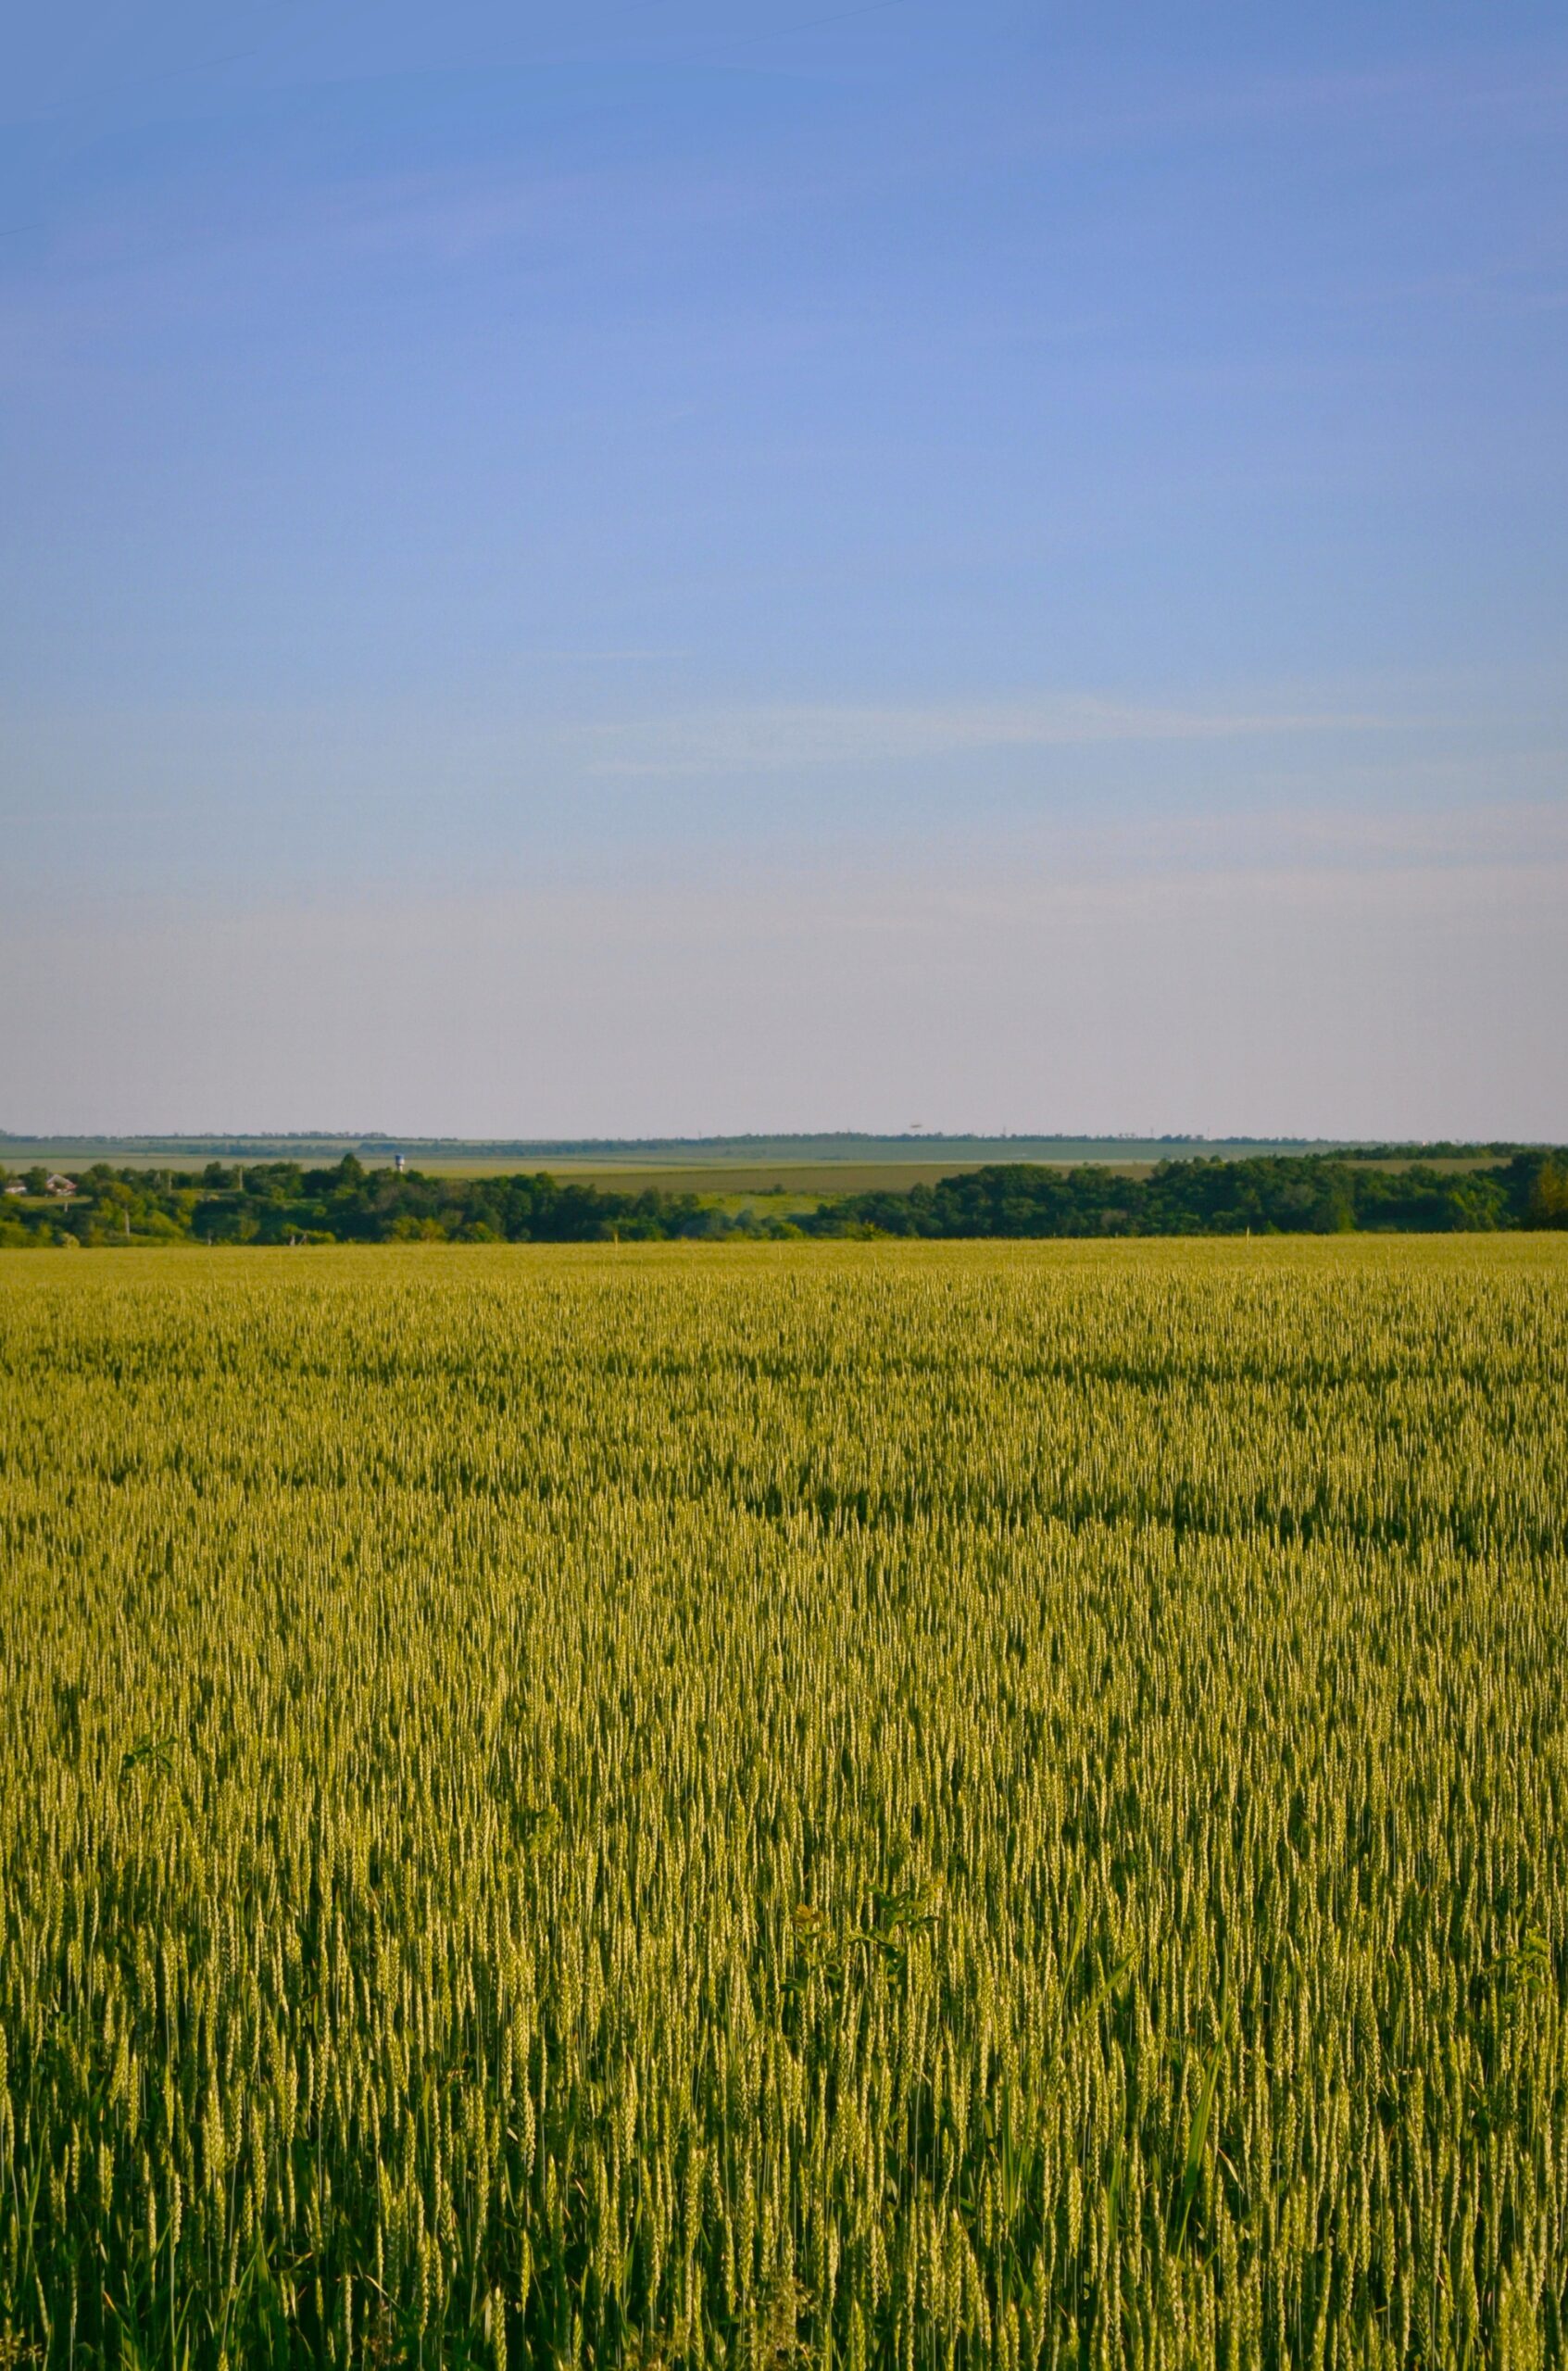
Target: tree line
280, 1202
1269, 1195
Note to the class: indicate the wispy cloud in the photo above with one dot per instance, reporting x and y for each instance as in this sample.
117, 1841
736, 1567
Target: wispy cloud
767, 738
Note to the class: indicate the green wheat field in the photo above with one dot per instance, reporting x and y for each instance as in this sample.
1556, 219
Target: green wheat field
843, 1806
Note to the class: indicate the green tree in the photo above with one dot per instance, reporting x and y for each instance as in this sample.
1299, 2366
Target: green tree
1548, 1205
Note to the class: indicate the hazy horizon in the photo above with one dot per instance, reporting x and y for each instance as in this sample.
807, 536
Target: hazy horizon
618, 577
372, 1142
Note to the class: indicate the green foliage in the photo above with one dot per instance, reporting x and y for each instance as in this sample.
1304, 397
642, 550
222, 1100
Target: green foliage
1272, 1195
279, 1202
1546, 1204
837, 1805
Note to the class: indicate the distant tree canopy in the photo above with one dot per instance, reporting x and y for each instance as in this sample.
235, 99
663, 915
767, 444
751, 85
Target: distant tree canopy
1265, 1197
280, 1202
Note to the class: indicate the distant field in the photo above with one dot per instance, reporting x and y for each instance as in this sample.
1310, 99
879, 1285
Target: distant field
780, 1177
893, 1170
940, 1156
817, 1178
811, 1179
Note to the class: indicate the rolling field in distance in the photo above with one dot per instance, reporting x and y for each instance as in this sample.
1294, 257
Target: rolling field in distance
814, 1165
452, 1156
846, 1804
811, 1180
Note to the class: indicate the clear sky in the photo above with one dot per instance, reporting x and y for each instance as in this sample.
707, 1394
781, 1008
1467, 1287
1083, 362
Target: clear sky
660, 567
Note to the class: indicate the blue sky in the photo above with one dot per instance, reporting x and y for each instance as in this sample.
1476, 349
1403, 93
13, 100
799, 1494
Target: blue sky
653, 568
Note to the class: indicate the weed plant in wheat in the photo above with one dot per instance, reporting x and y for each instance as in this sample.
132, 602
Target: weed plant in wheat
857, 1806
